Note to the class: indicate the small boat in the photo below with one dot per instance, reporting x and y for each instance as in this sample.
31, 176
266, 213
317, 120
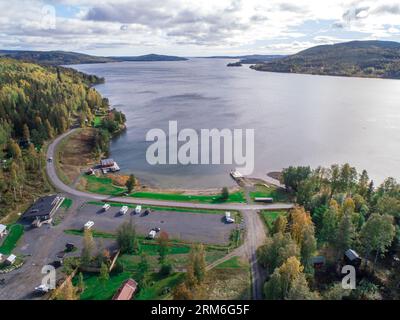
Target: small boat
236, 174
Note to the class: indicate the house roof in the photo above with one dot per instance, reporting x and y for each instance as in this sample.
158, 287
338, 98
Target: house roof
107, 162
11, 258
126, 291
352, 255
44, 206
2, 228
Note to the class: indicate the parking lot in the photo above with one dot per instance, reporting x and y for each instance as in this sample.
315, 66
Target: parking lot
187, 226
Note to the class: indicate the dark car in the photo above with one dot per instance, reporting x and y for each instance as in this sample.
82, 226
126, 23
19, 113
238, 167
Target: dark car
69, 247
146, 212
56, 263
157, 229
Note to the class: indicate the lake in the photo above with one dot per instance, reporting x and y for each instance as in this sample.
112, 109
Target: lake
298, 119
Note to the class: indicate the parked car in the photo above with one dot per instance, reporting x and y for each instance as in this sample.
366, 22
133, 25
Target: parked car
146, 212
124, 209
88, 225
138, 209
106, 206
50, 159
157, 229
56, 264
42, 289
228, 217
69, 247
152, 234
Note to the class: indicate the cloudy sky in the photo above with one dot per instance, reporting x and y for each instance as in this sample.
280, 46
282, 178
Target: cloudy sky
193, 27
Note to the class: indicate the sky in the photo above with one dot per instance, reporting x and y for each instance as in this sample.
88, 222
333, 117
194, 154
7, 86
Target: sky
193, 27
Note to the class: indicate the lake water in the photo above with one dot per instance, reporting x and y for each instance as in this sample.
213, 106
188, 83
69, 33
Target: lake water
298, 119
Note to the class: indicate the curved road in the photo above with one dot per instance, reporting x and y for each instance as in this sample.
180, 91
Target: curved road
61, 186
255, 233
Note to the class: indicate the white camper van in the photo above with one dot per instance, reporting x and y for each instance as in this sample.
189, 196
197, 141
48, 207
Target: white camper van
228, 217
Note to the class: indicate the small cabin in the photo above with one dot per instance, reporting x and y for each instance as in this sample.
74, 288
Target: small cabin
318, 262
11, 259
126, 291
351, 257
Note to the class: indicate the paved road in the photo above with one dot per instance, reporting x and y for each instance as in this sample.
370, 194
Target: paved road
51, 171
255, 233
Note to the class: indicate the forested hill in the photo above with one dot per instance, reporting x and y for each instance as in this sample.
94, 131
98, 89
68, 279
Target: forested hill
38, 103
44, 99
380, 59
56, 58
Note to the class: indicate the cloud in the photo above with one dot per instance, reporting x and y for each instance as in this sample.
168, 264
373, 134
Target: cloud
193, 27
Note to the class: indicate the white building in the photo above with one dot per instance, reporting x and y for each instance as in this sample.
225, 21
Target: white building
3, 231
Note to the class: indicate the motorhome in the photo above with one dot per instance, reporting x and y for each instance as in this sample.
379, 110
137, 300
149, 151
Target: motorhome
228, 217
138, 209
123, 210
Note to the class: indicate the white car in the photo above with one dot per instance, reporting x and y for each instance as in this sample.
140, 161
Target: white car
124, 209
106, 207
138, 209
88, 225
152, 234
42, 288
228, 217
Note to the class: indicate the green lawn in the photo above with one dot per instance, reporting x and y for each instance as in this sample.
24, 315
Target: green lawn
269, 217
232, 263
233, 197
95, 290
15, 232
103, 185
67, 203
277, 194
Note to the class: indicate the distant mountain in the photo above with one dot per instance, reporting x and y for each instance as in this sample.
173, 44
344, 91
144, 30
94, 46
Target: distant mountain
251, 59
65, 58
150, 57
378, 59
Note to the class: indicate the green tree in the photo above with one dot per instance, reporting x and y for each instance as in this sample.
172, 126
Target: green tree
126, 237
330, 222
143, 268
345, 235
225, 193
277, 250
389, 205
130, 183
104, 276
162, 247
299, 290
377, 234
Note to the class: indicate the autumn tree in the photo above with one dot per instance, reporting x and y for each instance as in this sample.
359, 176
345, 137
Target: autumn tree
181, 292
277, 250
299, 220
282, 280
197, 262
280, 224
89, 247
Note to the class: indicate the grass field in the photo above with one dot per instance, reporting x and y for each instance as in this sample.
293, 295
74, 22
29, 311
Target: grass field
216, 198
229, 280
104, 185
269, 192
269, 217
73, 154
97, 121
15, 232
